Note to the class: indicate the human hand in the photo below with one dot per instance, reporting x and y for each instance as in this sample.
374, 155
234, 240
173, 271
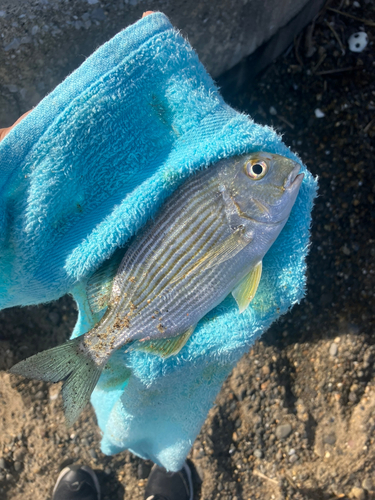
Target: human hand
5, 131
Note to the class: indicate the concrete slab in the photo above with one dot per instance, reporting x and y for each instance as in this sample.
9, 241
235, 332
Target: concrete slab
44, 40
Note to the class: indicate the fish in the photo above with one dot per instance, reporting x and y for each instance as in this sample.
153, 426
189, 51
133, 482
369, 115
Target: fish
208, 240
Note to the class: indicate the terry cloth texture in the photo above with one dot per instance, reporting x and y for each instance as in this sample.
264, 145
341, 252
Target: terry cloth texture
85, 170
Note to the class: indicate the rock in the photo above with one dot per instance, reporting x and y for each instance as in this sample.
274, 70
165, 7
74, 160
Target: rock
293, 458
333, 349
353, 397
258, 454
107, 471
54, 317
84, 442
283, 431
17, 466
330, 438
367, 484
98, 14
13, 45
19, 454
3, 464
143, 470
93, 454
39, 395
357, 493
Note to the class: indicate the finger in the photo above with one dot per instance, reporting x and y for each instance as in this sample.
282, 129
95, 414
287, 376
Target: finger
147, 13
5, 131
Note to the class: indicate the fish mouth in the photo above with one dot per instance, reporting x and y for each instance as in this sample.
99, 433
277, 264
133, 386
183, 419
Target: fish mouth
294, 179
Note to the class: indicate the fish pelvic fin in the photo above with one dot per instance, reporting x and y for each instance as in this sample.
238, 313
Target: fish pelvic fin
165, 347
67, 362
246, 289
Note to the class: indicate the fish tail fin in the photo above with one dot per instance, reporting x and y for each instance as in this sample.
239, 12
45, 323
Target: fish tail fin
67, 362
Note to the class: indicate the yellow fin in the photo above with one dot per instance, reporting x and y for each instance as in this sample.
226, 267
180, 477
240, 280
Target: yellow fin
165, 347
246, 289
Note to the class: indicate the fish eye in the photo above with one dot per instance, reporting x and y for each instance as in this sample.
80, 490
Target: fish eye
256, 169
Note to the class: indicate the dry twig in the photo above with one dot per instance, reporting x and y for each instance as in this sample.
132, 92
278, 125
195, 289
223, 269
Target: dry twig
297, 40
368, 126
262, 476
336, 36
286, 121
364, 21
332, 71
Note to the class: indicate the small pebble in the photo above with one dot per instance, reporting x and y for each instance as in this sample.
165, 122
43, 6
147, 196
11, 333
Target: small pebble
93, 454
3, 464
333, 349
353, 397
273, 111
330, 438
258, 454
9, 477
107, 471
17, 466
319, 113
357, 42
85, 442
358, 493
283, 431
293, 459
367, 484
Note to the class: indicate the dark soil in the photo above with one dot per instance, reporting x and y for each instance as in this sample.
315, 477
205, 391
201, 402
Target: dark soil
296, 419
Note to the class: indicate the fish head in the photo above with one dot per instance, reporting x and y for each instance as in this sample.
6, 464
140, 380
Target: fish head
265, 186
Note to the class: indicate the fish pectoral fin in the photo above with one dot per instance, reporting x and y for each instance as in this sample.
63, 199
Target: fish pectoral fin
245, 291
99, 286
220, 253
165, 347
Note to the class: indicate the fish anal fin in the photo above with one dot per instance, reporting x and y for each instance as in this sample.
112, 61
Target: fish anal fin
165, 347
99, 286
245, 291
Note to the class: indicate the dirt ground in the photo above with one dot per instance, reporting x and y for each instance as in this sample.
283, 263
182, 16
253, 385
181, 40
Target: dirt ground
296, 418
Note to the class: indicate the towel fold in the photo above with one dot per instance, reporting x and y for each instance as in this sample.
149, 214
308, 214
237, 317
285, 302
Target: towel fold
85, 170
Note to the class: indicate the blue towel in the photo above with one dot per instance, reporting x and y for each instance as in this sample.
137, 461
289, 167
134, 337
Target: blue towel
85, 170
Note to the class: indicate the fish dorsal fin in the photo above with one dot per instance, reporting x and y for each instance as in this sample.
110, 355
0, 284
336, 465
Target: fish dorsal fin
220, 253
165, 347
99, 286
246, 289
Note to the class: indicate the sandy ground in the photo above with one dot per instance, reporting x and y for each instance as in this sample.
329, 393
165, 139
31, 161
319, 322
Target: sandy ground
295, 420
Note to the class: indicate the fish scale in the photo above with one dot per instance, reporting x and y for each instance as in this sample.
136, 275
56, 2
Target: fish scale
208, 240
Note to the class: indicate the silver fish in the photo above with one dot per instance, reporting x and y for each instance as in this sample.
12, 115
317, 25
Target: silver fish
208, 240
